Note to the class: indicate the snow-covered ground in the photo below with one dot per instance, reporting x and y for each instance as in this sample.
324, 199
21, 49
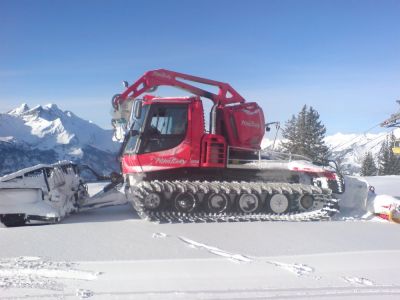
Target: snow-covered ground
109, 253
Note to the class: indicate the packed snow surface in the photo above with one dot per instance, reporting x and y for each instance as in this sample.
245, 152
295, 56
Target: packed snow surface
109, 253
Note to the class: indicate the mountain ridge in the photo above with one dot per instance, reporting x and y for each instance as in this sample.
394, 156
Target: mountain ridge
348, 149
46, 134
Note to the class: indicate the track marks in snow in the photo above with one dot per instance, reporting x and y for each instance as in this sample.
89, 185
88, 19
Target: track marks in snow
214, 250
39, 273
297, 269
359, 281
159, 235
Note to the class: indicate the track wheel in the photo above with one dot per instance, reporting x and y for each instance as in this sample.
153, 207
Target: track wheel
152, 201
248, 203
185, 202
279, 204
306, 202
217, 203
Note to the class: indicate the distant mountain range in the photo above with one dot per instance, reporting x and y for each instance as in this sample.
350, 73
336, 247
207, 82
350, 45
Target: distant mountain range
348, 149
46, 134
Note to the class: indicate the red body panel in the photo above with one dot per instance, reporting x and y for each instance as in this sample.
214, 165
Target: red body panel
213, 151
245, 125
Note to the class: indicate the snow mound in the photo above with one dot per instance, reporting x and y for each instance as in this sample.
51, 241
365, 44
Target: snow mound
361, 201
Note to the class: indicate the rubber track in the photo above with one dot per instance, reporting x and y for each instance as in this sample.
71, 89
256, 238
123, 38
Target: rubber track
139, 192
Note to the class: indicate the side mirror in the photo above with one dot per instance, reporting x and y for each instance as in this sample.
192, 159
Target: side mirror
137, 109
125, 84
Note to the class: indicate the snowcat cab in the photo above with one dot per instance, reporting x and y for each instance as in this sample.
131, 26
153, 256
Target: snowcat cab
169, 133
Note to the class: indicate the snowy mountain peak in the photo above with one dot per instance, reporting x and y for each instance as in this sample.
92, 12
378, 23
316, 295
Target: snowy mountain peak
51, 106
46, 127
49, 112
46, 134
19, 110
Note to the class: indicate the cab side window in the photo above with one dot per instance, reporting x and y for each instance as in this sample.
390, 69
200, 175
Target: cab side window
167, 127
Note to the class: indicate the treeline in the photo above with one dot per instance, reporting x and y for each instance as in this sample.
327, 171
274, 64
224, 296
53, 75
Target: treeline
304, 135
385, 163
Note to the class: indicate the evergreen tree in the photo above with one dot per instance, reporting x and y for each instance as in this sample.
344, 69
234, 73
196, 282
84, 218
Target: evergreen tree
342, 167
304, 135
389, 164
368, 167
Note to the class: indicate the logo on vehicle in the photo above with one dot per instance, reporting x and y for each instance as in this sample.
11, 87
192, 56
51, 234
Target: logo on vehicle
250, 124
250, 112
170, 161
161, 74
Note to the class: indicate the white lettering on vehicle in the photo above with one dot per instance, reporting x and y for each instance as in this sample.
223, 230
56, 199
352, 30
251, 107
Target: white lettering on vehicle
249, 112
250, 124
169, 161
161, 74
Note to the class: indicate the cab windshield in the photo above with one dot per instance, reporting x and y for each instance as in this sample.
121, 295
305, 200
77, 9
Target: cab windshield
133, 135
160, 127
137, 124
166, 127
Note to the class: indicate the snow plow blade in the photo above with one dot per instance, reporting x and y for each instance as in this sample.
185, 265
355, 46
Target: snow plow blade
45, 194
40, 194
20, 206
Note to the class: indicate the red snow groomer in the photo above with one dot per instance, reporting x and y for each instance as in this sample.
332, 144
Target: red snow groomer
176, 170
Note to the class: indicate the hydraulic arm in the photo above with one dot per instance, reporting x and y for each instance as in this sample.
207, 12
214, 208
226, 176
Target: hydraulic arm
122, 103
152, 79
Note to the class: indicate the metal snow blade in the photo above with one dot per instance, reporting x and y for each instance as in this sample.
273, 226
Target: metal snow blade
46, 193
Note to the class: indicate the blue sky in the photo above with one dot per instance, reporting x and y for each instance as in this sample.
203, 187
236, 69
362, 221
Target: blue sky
341, 57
